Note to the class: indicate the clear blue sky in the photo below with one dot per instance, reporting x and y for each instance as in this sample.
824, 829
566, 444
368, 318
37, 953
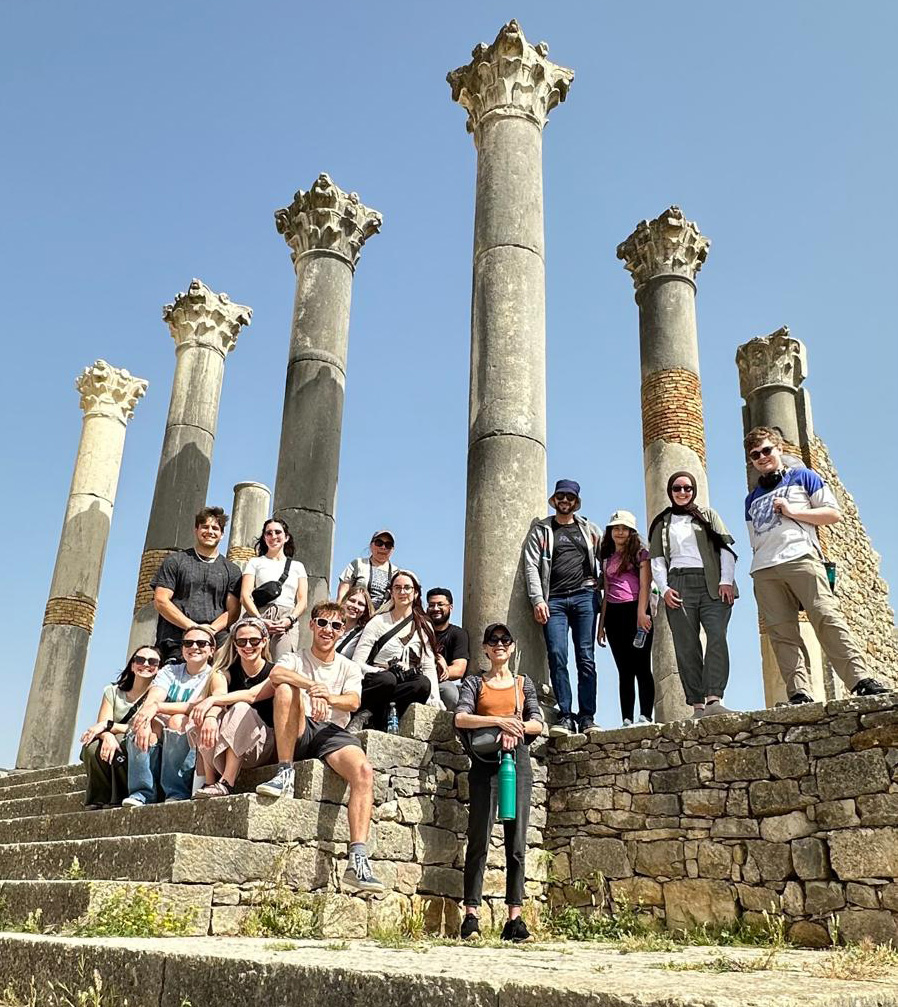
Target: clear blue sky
144, 145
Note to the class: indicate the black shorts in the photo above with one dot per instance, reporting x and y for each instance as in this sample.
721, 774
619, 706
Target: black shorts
320, 740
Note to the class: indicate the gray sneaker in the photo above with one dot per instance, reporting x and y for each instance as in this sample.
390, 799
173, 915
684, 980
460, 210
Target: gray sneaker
358, 722
716, 709
280, 785
358, 876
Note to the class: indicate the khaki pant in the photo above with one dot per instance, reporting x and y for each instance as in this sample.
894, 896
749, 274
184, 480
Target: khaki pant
778, 591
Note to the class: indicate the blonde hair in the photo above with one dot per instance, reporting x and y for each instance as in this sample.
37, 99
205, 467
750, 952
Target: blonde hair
228, 653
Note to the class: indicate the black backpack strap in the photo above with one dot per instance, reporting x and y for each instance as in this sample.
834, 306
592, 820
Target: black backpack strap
382, 641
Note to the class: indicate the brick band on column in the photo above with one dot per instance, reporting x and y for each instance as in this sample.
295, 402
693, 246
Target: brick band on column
672, 409
71, 612
241, 553
149, 564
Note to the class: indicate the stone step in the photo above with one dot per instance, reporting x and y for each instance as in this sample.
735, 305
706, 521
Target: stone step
63, 902
173, 857
44, 788
25, 807
16, 777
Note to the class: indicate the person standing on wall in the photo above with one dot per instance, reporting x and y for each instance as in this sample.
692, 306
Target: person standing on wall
560, 566
783, 514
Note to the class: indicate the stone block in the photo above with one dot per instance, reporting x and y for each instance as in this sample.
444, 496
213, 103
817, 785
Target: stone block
637, 892
344, 916
805, 934
836, 814
623, 820
663, 858
877, 925
773, 860
420, 810
647, 758
823, 897
757, 899
435, 846
889, 895
689, 903
317, 782
861, 895
810, 858
740, 764
793, 899
599, 855
809, 713
399, 877
861, 853
852, 774
787, 761
426, 723
737, 803
563, 774
784, 828
704, 803
227, 921
715, 860
878, 809
391, 841
586, 798
443, 881
560, 869
392, 751
698, 753
775, 797
536, 865
734, 828
672, 781
226, 895
634, 783
656, 804
386, 914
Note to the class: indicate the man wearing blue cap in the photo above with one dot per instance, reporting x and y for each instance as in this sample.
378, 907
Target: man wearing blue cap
562, 581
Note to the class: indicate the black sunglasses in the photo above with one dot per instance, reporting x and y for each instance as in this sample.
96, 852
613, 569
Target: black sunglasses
382, 543
763, 452
682, 489
494, 641
150, 662
202, 644
566, 496
248, 641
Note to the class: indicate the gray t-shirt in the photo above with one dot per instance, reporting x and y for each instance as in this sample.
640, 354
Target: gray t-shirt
200, 589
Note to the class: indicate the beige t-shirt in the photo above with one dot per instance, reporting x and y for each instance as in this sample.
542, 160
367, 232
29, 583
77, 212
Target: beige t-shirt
341, 675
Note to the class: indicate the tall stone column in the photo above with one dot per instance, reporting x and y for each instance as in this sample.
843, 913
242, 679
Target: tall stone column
771, 372
108, 397
325, 229
508, 90
249, 513
663, 256
204, 326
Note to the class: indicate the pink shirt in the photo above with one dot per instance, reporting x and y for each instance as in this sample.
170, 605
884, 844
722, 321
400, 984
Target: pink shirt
621, 587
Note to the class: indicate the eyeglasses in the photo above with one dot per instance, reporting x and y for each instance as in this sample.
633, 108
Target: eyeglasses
403, 588
335, 624
682, 489
273, 532
764, 452
202, 644
248, 642
495, 641
150, 662
566, 496
383, 543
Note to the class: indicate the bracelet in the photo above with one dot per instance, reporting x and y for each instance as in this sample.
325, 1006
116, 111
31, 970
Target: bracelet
211, 716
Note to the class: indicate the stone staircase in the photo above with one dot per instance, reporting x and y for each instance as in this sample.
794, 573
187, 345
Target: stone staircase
215, 859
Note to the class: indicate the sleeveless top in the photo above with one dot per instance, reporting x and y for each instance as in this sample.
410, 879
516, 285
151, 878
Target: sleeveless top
238, 680
494, 702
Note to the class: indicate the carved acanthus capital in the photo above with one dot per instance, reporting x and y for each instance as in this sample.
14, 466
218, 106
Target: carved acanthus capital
669, 244
777, 359
511, 75
109, 391
327, 218
205, 318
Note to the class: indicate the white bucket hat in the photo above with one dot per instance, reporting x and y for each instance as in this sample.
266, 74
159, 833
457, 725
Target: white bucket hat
625, 518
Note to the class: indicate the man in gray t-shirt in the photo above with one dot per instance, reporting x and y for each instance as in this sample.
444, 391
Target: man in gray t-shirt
196, 587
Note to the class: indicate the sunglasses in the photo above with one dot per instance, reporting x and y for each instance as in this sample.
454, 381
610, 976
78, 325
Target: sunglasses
495, 641
566, 496
335, 624
150, 662
248, 641
383, 543
764, 452
202, 644
682, 489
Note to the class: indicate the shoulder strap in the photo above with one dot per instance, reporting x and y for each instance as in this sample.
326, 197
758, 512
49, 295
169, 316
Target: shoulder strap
134, 708
283, 577
381, 642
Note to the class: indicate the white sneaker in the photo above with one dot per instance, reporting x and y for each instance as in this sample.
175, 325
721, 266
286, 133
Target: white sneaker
627, 723
280, 785
134, 801
644, 720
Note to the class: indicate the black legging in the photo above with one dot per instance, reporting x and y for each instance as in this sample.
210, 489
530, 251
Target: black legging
634, 664
380, 688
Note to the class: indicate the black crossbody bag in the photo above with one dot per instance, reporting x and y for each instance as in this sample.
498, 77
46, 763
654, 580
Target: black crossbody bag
270, 591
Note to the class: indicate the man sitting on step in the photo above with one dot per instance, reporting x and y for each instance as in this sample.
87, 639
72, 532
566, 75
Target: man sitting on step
316, 691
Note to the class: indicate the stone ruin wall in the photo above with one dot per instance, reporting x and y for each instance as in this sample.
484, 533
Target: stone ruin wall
863, 594
791, 811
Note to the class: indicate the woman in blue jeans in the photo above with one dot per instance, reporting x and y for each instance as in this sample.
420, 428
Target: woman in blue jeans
160, 756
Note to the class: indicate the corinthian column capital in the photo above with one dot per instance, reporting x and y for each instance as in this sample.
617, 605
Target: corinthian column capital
109, 391
327, 218
669, 244
202, 317
777, 360
511, 76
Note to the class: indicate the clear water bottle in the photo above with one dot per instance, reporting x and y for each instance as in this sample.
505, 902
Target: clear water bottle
640, 638
392, 720
508, 787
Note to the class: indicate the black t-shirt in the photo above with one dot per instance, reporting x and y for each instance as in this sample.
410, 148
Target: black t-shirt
570, 559
452, 643
200, 589
239, 680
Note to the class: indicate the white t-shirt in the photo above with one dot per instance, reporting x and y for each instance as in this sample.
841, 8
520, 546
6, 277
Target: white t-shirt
341, 675
264, 569
180, 686
684, 552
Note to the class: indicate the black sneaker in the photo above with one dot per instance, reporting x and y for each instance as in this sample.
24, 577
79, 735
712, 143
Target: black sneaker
797, 698
585, 724
516, 931
564, 727
869, 687
470, 927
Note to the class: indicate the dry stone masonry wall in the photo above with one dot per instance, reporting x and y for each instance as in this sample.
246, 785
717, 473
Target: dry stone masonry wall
790, 811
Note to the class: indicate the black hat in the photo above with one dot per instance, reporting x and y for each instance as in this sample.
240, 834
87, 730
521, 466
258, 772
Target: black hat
493, 626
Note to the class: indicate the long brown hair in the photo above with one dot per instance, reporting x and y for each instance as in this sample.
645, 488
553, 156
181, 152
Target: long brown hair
630, 556
423, 625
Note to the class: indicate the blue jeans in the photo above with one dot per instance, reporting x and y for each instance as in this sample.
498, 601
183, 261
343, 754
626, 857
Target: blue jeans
579, 612
167, 765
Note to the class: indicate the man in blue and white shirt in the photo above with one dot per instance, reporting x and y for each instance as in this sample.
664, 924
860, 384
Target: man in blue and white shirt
783, 514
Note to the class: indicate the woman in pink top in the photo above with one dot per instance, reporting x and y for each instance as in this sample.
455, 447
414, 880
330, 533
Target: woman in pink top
625, 618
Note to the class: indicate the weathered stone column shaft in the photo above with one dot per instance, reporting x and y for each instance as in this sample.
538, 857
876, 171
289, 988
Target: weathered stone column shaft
108, 398
249, 513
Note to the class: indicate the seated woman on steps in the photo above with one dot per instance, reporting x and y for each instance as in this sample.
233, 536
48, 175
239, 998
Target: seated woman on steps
103, 755
160, 757
357, 610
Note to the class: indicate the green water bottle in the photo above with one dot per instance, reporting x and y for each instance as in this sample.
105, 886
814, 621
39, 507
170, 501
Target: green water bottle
508, 788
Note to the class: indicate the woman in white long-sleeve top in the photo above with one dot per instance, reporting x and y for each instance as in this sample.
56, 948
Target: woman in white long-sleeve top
693, 566
396, 652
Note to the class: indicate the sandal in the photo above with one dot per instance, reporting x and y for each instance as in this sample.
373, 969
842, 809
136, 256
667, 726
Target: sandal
220, 789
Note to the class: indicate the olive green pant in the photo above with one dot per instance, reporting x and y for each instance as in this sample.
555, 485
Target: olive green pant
702, 674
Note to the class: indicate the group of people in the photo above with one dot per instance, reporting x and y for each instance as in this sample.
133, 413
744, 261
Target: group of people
226, 686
